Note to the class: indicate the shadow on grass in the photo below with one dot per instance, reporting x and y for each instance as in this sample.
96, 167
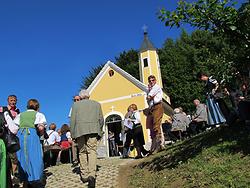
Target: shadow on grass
238, 135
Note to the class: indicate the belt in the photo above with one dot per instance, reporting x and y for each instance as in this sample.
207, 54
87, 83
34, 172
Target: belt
157, 103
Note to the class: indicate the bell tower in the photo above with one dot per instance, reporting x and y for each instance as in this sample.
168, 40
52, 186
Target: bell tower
149, 61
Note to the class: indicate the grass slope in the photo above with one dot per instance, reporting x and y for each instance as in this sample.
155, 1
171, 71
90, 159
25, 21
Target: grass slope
217, 158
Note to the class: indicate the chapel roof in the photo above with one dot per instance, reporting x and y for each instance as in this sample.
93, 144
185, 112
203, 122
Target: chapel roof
166, 103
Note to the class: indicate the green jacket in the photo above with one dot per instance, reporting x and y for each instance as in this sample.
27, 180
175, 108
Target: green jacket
86, 118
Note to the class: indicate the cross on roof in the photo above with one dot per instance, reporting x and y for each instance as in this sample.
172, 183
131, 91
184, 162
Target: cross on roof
145, 28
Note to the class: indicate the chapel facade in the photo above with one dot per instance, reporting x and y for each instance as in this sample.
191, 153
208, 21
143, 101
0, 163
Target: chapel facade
115, 90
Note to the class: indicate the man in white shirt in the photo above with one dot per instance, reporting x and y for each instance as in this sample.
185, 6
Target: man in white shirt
53, 135
54, 138
154, 98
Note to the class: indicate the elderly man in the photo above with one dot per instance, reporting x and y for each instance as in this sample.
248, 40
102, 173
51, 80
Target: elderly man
86, 127
13, 112
54, 139
199, 119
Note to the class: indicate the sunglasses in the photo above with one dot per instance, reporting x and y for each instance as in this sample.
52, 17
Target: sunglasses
76, 100
151, 80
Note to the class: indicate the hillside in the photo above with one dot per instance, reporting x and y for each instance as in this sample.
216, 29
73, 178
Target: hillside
216, 158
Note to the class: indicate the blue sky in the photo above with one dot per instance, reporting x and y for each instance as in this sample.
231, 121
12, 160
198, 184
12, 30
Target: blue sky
48, 46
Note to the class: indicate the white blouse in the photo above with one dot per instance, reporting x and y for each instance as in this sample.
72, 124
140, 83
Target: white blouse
40, 119
136, 117
10, 123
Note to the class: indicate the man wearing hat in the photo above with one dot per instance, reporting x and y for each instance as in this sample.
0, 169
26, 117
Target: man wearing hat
86, 124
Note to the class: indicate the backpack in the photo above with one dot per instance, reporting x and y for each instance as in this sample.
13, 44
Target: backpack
5, 108
11, 141
2, 125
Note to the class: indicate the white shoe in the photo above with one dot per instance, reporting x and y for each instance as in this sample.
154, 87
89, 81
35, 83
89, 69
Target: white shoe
218, 125
209, 128
168, 142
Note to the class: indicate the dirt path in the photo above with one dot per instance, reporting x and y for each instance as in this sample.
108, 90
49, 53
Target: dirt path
125, 171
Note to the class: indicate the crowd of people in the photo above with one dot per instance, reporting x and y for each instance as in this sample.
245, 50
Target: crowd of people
211, 114
40, 148
26, 161
35, 148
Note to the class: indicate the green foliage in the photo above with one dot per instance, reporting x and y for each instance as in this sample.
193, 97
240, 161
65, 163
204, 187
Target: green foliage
128, 61
92, 74
204, 14
225, 21
182, 59
217, 158
241, 39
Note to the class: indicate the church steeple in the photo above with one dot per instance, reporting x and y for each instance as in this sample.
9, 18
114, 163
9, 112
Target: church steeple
149, 60
146, 44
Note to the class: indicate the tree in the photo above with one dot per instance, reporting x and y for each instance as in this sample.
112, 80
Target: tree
214, 15
221, 18
128, 61
182, 59
90, 78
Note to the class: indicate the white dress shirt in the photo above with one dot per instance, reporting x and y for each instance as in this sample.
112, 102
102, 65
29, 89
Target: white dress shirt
10, 123
68, 135
53, 138
157, 94
40, 119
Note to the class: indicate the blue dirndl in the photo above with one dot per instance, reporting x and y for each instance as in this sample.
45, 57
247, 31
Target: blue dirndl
30, 156
215, 115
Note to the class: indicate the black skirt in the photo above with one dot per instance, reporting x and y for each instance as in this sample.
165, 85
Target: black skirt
138, 136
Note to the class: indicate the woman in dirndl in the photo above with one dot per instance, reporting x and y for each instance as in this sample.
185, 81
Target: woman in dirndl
2, 164
215, 115
30, 156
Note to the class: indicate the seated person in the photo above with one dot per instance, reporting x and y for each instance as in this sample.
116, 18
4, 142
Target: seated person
53, 140
66, 140
244, 104
168, 135
199, 119
180, 122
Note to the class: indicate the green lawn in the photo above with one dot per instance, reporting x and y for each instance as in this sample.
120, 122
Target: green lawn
217, 158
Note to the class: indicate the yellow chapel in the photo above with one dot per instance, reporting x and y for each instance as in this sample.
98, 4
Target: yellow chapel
115, 90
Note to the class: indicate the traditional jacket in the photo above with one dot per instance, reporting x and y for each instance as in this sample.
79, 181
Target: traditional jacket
86, 118
200, 113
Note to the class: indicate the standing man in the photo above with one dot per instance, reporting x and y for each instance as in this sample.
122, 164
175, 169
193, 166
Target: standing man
11, 107
13, 112
154, 98
75, 161
86, 127
75, 99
